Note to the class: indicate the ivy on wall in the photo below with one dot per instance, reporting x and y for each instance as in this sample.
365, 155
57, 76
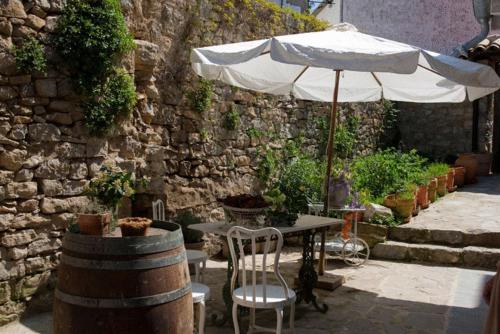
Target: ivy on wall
30, 56
91, 37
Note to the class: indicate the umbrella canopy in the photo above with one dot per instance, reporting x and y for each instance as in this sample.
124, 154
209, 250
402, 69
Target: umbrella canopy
372, 68
344, 65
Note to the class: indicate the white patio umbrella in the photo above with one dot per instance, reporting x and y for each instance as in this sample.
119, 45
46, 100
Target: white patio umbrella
344, 65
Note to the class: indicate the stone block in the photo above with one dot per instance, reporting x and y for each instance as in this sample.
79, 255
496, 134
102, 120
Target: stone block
481, 257
12, 8
6, 176
146, 55
74, 188
60, 118
30, 205
18, 238
376, 211
71, 150
391, 251
434, 254
20, 79
46, 87
6, 220
12, 160
5, 28
7, 93
53, 205
44, 246
372, 233
43, 132
17, 253
24, 190
7, 63
24, 175
52, 188
4, 292
34, 22
52, 169
29, 220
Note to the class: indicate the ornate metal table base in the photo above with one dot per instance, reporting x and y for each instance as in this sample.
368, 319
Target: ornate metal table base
308, 277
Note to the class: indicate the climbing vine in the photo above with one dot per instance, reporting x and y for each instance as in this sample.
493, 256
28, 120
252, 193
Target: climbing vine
30, 56
201, 97
91, 37
231, 119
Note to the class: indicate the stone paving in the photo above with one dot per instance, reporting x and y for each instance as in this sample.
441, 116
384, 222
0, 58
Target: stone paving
380, 297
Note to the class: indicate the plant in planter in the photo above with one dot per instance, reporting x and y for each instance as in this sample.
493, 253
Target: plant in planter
134, 226
440, 172
193, 239
405, 202
339, 189
450, 181
278, 215
459, 178
93, 220
111, 186
421, 180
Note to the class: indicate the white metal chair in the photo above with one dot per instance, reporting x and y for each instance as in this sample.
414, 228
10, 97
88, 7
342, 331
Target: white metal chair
200, 293
158, 210
259, 295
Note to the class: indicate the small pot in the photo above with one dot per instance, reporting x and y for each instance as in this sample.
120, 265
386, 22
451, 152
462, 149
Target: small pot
469, 161
134, 226
94, 224
423, 196
404, 208
432, 190
390, 201
459, 178
441, 187
450, 181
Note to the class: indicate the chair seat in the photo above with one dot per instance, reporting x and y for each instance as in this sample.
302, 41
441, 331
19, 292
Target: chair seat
200, 292
275, 296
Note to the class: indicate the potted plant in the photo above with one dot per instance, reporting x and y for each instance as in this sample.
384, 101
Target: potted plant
450, 181
278, 215
94, 220
339, 189
469, 161
108, 189
459, 178
432, 189
405, 202
440, 172
193, 239
421, 180
349, 217
134, 226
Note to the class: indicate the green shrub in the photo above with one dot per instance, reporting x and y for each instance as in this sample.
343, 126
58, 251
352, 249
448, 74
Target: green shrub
437, 169
385, 172
30, 57
345, 136
90, 37
302, 182
231, 120
201, 97
111, 101
267, 166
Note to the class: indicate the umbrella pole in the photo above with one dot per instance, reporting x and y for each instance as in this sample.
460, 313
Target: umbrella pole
329, 153
331, 138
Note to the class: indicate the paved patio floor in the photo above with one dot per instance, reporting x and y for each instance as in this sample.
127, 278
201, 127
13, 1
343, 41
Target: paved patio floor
380, 297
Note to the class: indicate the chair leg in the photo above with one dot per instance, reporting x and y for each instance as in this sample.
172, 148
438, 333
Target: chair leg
279, 320
252, 318
235, 319
292, 317
201, 322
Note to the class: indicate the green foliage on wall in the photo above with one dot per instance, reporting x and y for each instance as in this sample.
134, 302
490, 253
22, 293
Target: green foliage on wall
201, 97
231, 120
91, 37
113, 100
30, 56
345, 136
267, 166
390, 131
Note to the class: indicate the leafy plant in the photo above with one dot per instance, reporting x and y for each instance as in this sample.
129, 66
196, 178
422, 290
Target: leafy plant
275, 198
201, 97
90, 37
254, 133
204, 135
184, 219
345, 136
437, 169
302, 182
30, 56
231, 120
112, 185
390, 134
267, 166
114, 99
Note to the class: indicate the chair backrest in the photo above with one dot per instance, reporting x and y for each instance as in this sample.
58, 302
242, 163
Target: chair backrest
243, 236
158, 210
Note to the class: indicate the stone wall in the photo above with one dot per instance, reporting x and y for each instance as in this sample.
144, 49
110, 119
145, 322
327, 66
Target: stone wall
444, 129
46, 155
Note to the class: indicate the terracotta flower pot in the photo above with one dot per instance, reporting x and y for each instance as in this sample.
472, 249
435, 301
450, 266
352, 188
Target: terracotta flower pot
390, 201
349, 218
450, 181
134, 226
404, 208
423, 196
94, 224
459, 178
469, 161
441, 187
432, 190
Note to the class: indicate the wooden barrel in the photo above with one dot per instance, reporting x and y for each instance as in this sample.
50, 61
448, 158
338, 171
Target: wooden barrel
124, 285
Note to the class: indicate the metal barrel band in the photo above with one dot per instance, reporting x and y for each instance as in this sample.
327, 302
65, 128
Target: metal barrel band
123, 265
134, 302
112, 248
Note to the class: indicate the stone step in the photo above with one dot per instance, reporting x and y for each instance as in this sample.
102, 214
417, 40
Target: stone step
470, 256
452, 238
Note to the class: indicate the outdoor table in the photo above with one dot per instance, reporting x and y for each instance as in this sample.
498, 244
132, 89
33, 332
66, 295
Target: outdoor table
307, 226
199, 260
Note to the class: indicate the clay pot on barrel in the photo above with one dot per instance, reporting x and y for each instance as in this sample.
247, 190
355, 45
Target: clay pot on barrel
469, 161
459, 177
130, 285
94, 224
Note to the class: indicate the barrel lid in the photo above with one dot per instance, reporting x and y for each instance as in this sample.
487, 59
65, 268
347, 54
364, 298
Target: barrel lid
161, 237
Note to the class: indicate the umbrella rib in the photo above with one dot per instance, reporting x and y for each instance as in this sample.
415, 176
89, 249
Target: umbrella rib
429, 69
376, 79
300, 74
